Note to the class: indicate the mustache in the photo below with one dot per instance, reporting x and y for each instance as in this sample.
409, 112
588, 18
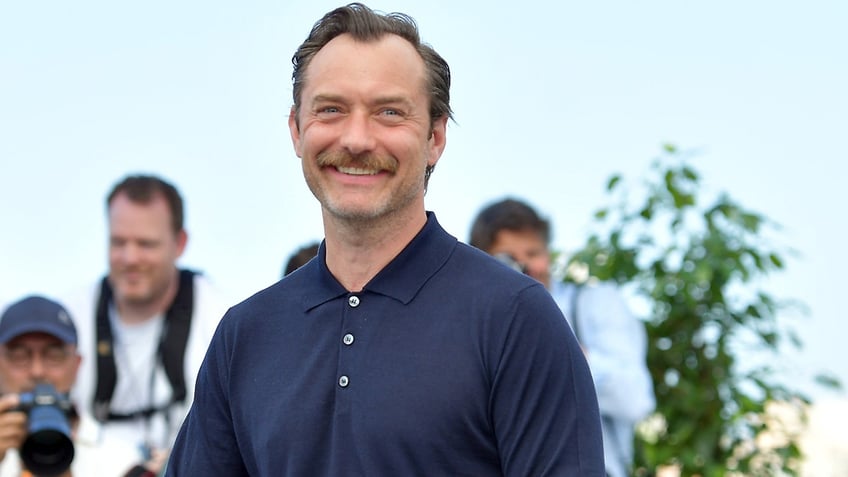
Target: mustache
370, 161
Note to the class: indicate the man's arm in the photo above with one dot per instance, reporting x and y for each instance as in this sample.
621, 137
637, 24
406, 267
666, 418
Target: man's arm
544, 408
206, 443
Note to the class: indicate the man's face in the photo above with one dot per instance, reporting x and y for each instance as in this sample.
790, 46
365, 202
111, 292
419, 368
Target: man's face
363, 131
528, 249
143, 250
37, 357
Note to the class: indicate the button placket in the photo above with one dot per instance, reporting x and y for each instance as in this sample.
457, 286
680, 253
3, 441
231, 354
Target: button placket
353, 301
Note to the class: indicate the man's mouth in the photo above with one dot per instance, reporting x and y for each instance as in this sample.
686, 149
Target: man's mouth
361, 165
356, 171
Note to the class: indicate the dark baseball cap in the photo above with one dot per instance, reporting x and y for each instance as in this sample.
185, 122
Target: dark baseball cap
36, 314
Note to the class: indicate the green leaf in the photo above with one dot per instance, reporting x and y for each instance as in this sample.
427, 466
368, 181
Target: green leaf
751, 222
613, 181
828, 381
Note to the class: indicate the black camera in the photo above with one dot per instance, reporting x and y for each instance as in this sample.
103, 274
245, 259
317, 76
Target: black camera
48, 449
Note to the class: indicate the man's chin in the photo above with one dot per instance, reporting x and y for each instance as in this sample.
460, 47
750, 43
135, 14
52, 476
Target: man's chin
133, 298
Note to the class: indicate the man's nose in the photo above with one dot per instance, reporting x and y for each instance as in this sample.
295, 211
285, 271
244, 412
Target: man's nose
358, 134
36, 367
129, 253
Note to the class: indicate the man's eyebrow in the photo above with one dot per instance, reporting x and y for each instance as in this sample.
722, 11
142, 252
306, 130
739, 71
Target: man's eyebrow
327, 98
379, 101
384, 100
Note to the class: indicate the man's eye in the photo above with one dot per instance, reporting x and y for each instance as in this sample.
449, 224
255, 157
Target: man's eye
391, 115
329, 110
18, 355
55, 354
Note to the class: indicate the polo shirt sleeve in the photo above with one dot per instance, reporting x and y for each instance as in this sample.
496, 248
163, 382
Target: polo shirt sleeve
206, 443
544, 408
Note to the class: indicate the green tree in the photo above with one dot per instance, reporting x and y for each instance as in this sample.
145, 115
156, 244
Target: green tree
698, 269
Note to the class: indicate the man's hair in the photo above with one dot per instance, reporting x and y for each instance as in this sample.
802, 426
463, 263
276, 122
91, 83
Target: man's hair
300, 257
142, 189
367, 25
507, 214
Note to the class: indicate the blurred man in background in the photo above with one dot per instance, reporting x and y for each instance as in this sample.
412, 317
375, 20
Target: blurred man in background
144, 328
612, 338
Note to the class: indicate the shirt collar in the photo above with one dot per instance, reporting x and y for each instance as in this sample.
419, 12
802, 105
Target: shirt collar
401, 279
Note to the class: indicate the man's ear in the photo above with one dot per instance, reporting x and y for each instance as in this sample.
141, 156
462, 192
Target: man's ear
182, 241
437, 140
294, 130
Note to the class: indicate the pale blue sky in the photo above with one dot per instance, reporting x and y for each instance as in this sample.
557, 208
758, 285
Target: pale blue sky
550, 99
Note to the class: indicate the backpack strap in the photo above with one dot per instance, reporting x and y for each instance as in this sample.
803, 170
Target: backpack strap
171, 350
175, 336
107, 374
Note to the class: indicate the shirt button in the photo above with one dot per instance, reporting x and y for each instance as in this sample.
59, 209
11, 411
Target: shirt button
348, 339
344, 381
353, 301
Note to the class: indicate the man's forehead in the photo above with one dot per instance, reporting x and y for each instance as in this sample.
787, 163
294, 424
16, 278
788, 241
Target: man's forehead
345, 51
123, 201
144, 219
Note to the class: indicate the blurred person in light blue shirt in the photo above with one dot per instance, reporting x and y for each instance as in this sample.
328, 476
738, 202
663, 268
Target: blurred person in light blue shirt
613, 340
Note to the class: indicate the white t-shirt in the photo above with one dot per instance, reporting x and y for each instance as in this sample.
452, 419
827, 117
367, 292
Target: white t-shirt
135, 360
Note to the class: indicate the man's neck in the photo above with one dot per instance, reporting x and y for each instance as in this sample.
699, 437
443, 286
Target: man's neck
356, 252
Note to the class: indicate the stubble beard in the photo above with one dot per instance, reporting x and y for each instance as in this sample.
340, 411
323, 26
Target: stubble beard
146, 297
335, 206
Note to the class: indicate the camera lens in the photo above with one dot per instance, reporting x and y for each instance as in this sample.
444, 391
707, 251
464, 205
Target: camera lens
48, 449
47, 453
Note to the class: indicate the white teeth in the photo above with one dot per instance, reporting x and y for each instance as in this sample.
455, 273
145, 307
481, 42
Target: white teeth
355, 171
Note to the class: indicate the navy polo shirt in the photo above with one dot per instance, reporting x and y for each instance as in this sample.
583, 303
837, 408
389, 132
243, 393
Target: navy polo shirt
447, 363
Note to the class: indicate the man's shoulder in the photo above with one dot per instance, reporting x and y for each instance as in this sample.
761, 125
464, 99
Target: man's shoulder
273, 296
476, 260
476, 275
209, 298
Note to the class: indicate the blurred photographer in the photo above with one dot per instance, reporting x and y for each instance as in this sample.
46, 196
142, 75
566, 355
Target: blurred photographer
38, 426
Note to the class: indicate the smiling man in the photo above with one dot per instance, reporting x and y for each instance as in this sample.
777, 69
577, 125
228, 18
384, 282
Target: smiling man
397, 350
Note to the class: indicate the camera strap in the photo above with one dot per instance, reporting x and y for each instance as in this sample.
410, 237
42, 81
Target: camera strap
170, 351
